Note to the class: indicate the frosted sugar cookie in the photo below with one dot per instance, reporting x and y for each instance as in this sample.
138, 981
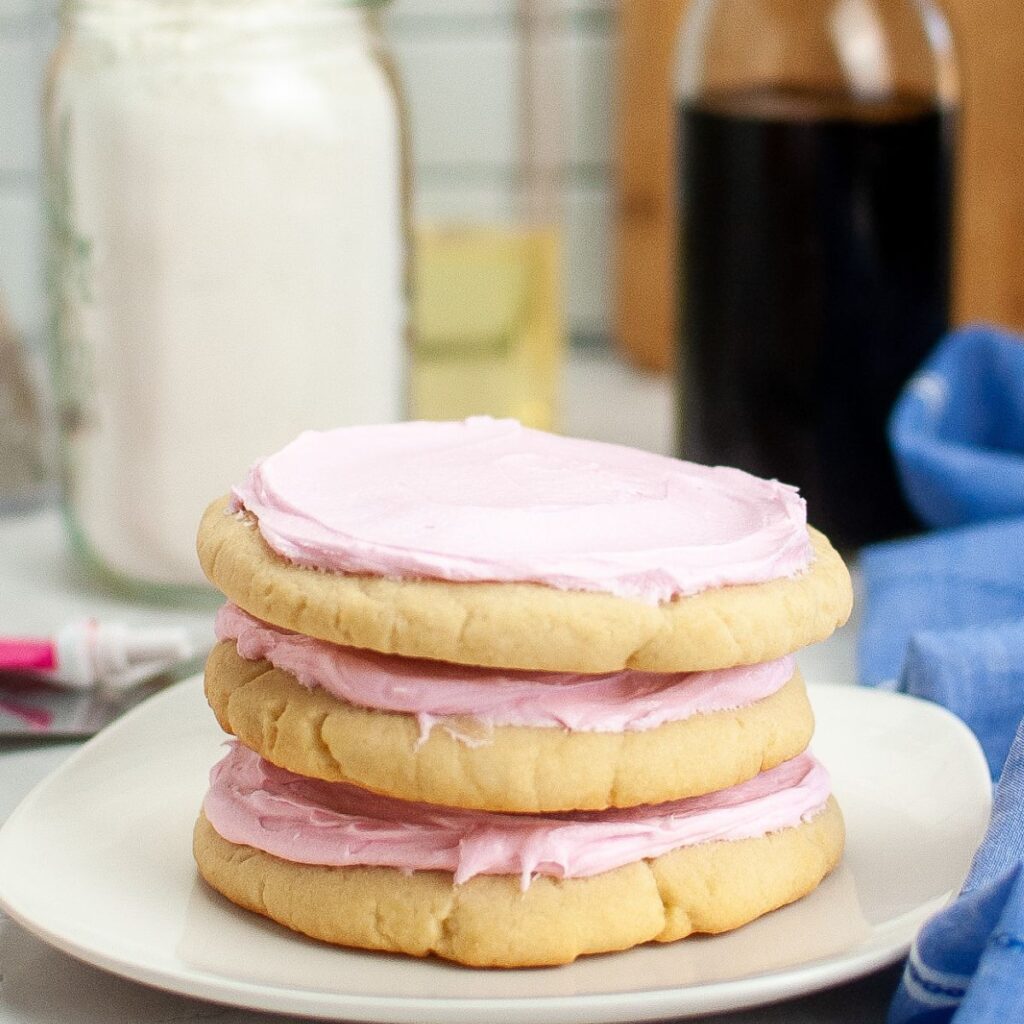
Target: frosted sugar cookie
355, 869
498, 739
486, 543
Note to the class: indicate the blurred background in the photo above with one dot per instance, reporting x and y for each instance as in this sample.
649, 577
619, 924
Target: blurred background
461, 55
460, 63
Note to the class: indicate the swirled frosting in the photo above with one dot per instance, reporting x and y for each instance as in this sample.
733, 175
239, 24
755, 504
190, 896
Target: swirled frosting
491, 500
436, 691
307, 821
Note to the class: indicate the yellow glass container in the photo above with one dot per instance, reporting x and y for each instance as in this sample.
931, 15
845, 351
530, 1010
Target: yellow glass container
488, 323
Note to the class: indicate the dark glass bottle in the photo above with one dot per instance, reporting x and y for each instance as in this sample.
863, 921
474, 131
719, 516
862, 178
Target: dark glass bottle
816, 144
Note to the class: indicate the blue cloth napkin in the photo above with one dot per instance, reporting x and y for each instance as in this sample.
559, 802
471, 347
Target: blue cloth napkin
970, 576
943, 614
943, 619
958, 430
967, 964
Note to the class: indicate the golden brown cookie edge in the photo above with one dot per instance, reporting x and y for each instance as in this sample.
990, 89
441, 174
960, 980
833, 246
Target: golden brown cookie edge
489, 922
525, 625
519, 769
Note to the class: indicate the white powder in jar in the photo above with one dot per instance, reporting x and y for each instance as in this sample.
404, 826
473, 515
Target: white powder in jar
231, 235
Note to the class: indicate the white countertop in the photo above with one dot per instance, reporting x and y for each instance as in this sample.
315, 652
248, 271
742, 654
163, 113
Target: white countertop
41, 588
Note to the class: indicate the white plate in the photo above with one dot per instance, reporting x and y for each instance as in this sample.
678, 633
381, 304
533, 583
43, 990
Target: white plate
97, 861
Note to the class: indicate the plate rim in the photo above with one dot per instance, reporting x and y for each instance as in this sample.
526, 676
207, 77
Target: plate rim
651, 1004
612, 1008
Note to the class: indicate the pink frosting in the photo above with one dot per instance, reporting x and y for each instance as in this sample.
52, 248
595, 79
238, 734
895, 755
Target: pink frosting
436, 690
307, 821
492, 500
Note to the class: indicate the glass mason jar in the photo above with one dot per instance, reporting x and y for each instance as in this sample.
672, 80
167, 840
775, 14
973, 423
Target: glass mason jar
816, 143
227, 213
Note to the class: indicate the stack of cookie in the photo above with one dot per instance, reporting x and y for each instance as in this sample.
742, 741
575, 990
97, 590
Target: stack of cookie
510, 698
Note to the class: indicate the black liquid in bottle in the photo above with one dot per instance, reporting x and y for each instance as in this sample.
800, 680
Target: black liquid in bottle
815, 278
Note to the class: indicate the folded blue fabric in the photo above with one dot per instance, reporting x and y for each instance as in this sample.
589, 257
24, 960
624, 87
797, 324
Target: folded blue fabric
943, 614
972, 576
957, 430
967, 964
976, 672
943, 619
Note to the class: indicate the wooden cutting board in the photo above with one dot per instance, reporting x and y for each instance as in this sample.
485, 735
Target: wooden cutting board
989, 265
